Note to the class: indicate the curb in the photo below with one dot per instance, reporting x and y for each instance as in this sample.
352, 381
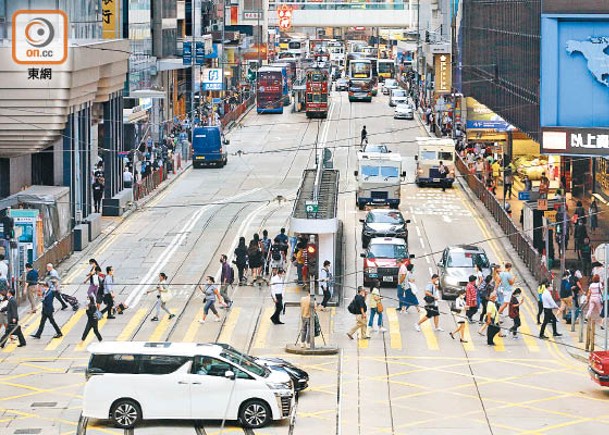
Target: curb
323, 350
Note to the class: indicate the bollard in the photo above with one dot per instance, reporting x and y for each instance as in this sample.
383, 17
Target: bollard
572, 318
581, 328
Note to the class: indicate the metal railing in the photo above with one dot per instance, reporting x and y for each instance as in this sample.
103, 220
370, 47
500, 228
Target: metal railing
149, 183
239, 110
337, 6
527, 253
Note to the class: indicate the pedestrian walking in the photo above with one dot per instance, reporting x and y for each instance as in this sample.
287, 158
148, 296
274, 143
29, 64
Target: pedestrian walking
254, 259
163, 295
594, 297
540, 289
492, 319
94, 281
226, 279
108, 292
265, 248
31, 286
549, 306
593, 213
363, 136
410, 293
299, 262
484, 291
127, 178
241, 260
277, 294
471, 298
585, 254
12, 315
505, 287
53, 281
376, 308
98, 193
47, 313
93, 317
432, 311
3, 307
211, 294
514, 311
566, 296
508, 177
359, 308
579, 234
325, 283
458, 309
443, 172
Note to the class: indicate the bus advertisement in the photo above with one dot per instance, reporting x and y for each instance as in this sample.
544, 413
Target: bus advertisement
269, 90
289, 74
317, 85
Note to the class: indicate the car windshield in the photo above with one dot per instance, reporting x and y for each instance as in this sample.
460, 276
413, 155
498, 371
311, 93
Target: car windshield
370, 171
387, 251
427, 155
399, 93
446, 156
391, 217
390, 83
245, 361
375, 149
466, 259
389, 172
403, 107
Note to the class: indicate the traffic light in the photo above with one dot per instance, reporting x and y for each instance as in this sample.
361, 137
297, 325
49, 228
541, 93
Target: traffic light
251, 75
427, 36
312, 257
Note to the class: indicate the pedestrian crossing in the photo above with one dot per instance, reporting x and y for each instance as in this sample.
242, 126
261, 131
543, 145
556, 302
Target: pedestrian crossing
400, 335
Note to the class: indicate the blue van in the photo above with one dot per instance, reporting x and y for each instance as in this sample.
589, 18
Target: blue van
208, 146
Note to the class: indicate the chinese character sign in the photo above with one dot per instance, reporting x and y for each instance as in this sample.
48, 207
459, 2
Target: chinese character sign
443, 73
110, 18
284, 13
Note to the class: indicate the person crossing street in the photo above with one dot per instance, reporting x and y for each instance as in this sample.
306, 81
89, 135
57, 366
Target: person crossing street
12, 315
360, 315
277, 294
47, 312
549, 306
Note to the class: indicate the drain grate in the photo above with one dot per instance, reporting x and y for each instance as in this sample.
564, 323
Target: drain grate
27, 431
43, 404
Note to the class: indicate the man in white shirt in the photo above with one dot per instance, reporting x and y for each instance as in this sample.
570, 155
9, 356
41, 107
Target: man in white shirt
548, 314
277, 293
127, 178
3, 266
402, 286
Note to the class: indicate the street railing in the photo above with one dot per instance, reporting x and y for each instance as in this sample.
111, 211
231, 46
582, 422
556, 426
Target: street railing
149, 183
334, 6
239, 110
527, 253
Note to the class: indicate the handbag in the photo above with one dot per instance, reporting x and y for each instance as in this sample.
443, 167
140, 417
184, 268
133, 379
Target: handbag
379, 307
97, 315
429, 299
317, 325
166, 296
454, 308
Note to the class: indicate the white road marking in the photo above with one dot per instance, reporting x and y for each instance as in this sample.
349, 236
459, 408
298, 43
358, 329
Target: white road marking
446, 219
418, 231
430, 271
422, 242
427, 259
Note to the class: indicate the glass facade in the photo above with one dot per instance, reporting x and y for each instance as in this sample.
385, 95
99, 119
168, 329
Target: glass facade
601, 176
84, 18
137, 28
500, 58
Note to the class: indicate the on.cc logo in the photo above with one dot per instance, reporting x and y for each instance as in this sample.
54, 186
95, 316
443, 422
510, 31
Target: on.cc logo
40, 37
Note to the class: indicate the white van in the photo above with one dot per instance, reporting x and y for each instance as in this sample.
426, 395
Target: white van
128, 382
432, 151
379, 179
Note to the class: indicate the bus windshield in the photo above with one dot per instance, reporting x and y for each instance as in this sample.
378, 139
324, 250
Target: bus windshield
360, 69
427, 155
385, 67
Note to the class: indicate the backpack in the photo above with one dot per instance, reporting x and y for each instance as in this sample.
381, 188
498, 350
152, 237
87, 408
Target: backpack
276, 255
352, 307
100, 289
231, 275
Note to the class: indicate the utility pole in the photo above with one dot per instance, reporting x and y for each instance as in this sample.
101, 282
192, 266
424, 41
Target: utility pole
223, 57
193, 66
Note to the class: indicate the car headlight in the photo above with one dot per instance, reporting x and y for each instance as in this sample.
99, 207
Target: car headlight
450, 280
420, 171
370, 269
279, 385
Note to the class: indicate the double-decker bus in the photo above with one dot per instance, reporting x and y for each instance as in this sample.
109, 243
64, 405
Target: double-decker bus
283, 43
386, 69
299, 46
337, 53
361, 80
317, 86
270, 89
289, 71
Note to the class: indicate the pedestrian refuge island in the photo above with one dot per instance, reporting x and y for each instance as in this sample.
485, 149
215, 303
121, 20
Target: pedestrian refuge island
314, 219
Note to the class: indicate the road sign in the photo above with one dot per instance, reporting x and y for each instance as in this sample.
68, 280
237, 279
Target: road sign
542, 204
600, 251
311, 206
187, 53
525, 195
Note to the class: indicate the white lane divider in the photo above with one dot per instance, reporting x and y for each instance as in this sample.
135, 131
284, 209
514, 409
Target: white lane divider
138, 292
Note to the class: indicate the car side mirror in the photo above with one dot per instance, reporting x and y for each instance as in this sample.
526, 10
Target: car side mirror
361, 220
355, 173
388, 151
416, 157
229, 374
226, 142
403, 174
363, 255
407, 221
411, 256
440, 264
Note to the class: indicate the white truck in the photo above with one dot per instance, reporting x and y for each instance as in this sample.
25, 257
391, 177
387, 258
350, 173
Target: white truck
432, 151
379, 179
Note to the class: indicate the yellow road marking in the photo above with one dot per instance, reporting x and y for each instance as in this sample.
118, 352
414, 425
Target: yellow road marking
191, 333
82, 346
35, 320
229, 325
362, 342
467, 336
65, 329
527, 336
430, 337
263, 330
163, 324
394, 329
499, 344
133, 323
99, 251
293, 289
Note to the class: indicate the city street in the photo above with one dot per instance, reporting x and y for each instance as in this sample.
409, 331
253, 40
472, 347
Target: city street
398, 382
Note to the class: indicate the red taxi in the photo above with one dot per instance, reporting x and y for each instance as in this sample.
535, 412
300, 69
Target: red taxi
383, 258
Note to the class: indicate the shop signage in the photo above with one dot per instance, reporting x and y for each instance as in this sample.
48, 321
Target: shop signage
284, 15
443, 73
212, 79
576, 141
550, 215
252, 15
311, 206
110, 19
524, 195
482, 118
199, 52
488, 125
542, 204
187, 53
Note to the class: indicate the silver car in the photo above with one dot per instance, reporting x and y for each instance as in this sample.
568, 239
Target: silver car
457, 264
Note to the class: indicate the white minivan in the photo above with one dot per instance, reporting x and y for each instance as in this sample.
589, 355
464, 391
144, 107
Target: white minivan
131, 381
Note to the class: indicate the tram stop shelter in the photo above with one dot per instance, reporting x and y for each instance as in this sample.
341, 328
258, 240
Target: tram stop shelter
315, 213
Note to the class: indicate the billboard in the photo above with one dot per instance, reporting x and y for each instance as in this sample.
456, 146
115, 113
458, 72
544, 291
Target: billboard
575, 71
443, 73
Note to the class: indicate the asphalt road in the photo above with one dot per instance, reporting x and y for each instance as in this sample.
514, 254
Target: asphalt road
399, 382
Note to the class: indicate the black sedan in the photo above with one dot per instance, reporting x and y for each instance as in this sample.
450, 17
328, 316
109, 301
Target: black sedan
383, 223
299, 376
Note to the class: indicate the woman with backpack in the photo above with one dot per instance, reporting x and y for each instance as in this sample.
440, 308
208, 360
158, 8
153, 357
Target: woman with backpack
93, 317
254, 259
241, 260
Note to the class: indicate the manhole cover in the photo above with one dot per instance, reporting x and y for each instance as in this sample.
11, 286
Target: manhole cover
43, 404
27, 431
